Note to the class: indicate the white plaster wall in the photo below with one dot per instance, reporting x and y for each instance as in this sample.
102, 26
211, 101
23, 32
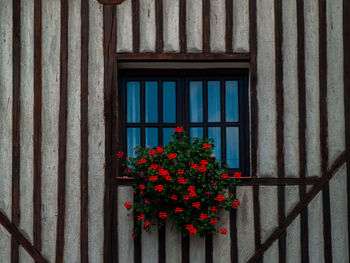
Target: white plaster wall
96, 132
149, 245
222, 243
290, 88
147, 26
124, 27
50, 96
194, 25
217, 26
240, 25
171, 25
5, 246
172, 243
72, 227
197, 249
266, 88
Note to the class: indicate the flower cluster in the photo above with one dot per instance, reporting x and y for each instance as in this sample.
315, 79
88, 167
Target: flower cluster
181, 181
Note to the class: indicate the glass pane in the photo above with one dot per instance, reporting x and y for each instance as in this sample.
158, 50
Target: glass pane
167, 132
133, 101
214, 101
196, 101
231, 98
196, 132
215, 133
151, 93
169, 101
232, 147
133, 139
151, 137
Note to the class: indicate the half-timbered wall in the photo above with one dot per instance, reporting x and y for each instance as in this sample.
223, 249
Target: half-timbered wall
58, 202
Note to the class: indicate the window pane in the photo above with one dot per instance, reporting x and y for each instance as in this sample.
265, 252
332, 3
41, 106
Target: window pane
169, 101
196, 132
232, 147
133, 101
214, 101
215, 133
167, 132
151, 137
151, 94
231, 98
196, 101
133, 139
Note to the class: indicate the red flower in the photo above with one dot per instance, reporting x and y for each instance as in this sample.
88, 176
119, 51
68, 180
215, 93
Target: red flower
180, 171
204, 216
181, 180
194, 166
152, 152
127, 170
127, 204
159, 149
191, 188
214, 209
168, 178
159, 188
191, 191
192, 194
185, 197
133, 235
213, 221
204, 162
141, 161
214, 183
237, 175
163, 172
235, 203
146, 224
172, 156
202, 169
162, 215
173, 197
178, 209
141, 186
224, 176
196, 204
223, 231
153, 178
120, 154
179, 129
146, 201
153, 166
140, 217
189, 227
206, 145
193, 231
220, 198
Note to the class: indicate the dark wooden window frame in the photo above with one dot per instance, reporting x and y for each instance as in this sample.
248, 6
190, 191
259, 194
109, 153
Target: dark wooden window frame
240, 75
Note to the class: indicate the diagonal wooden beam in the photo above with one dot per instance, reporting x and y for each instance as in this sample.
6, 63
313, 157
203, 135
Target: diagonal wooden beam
340, 161
21, 239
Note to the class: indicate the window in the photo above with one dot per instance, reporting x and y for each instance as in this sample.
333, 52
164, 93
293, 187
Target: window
206, 104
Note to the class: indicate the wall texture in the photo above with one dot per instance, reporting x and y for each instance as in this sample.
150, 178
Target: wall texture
53, 124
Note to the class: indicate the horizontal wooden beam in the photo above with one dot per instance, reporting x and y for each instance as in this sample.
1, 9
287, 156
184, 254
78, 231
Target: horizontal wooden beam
182, 56
111, 2
254, 181
19, 237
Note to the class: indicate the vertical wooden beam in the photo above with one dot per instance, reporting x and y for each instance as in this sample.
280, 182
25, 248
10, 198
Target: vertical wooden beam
185, 249
280, 123
346, 41
233, 233
62, 147
136, 25
322, 5
159, 26
84, 132
37, 123
229, 26
206, 25
182, 26
161, 245
109, 43
304, 232
209, 248
16, 115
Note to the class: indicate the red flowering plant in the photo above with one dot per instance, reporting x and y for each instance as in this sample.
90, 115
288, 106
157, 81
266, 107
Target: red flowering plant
181, 181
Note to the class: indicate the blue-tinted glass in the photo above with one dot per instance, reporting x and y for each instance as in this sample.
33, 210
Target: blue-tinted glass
133, 139
215, 133
231, 98
196, 101
196, 132
151, 93
169, 101
133, 101
151, 137
214, 101
167, 132
232, 147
